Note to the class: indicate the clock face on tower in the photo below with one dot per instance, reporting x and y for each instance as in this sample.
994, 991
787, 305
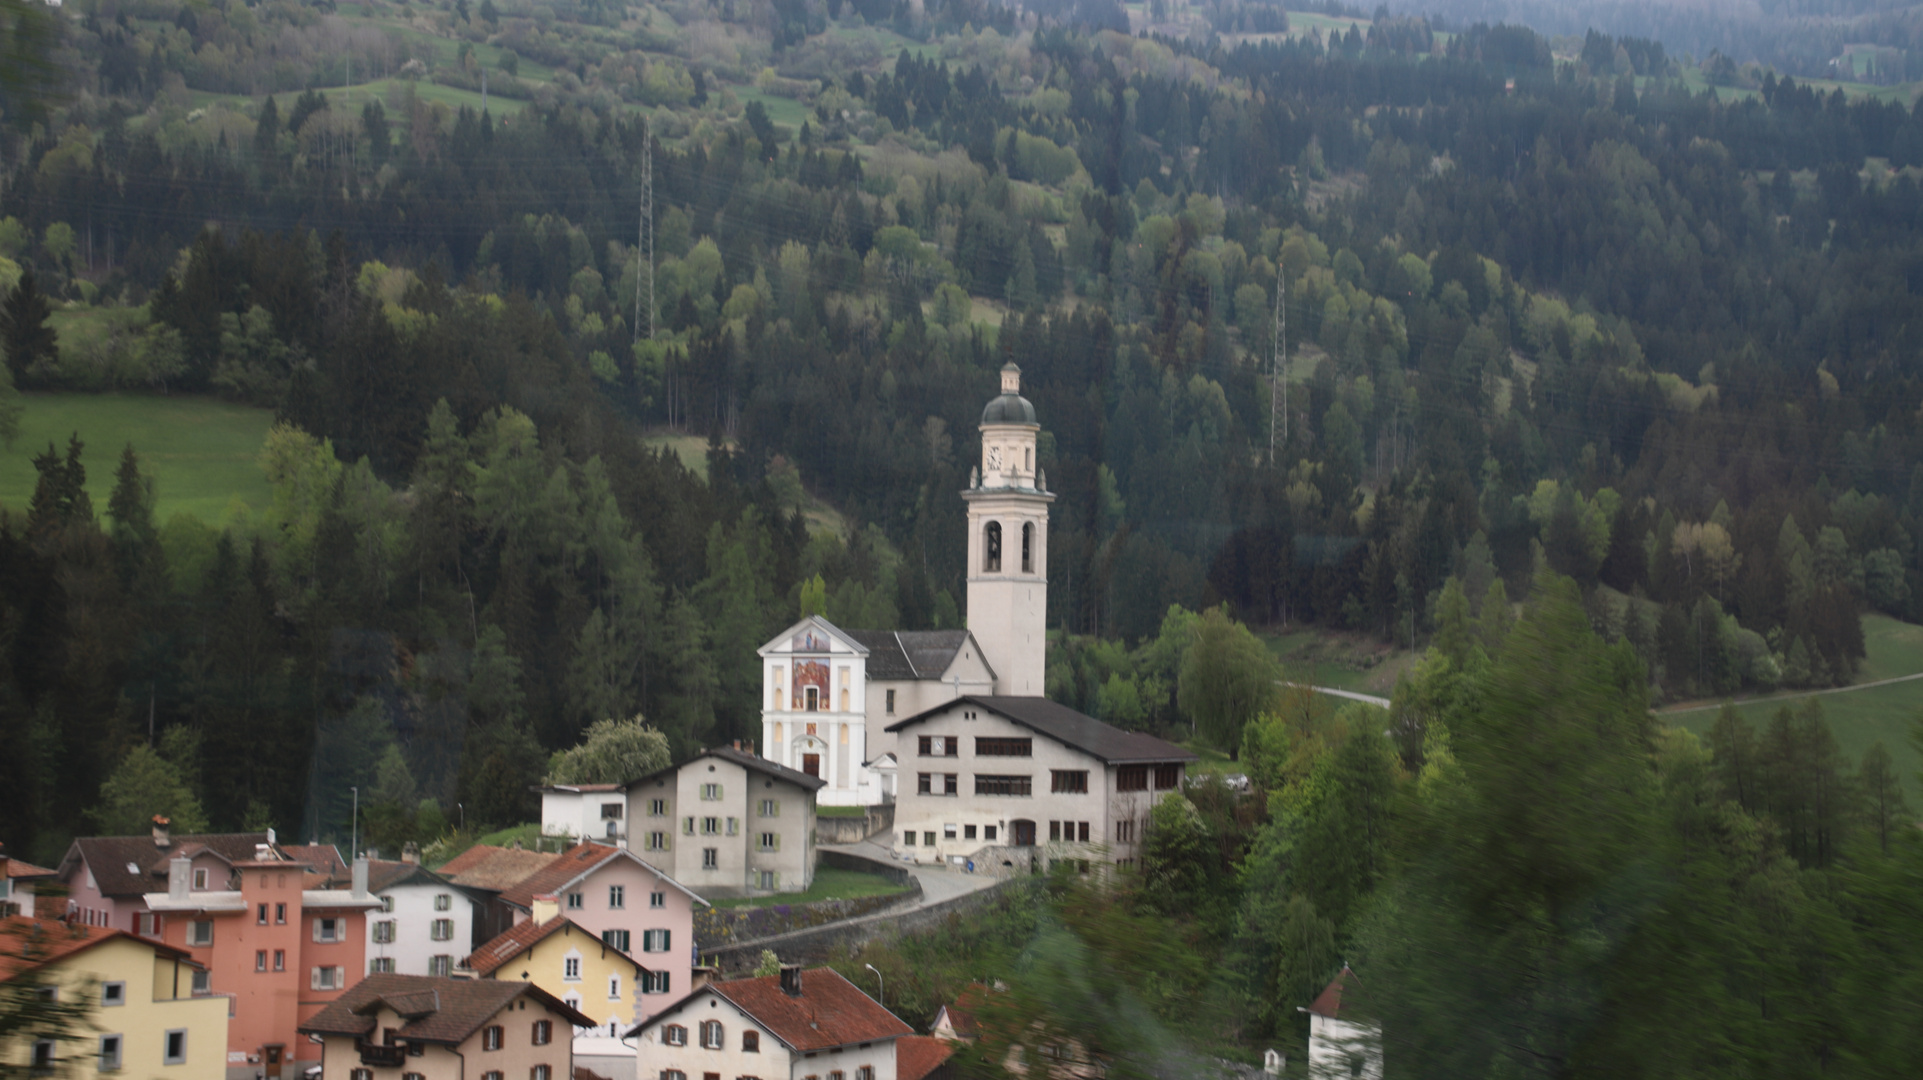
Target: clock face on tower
994, 458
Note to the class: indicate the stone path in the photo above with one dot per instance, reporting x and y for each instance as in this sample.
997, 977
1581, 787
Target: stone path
1794, 696
938, 883
1333, 692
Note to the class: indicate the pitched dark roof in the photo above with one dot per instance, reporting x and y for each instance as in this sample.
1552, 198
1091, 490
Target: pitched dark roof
437, 1010
1342, 999
910, 654
109, 856
385, 874
1066, 726
918, 1055
30, 943
485, 866
525, 935
324, 858
830, 1011
572, 863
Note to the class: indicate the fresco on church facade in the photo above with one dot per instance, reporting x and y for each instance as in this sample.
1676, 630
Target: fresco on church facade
810, 673
810, 641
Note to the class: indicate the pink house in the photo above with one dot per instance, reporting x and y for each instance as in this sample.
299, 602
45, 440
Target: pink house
108, 877
628, 904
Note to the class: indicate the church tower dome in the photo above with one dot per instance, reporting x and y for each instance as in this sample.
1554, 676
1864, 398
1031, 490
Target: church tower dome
1008, 503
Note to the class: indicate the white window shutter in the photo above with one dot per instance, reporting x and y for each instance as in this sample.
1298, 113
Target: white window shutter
317, 929
313, 978
340, 978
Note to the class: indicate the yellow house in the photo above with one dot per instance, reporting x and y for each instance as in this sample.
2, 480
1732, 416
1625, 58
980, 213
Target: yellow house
138, 1015
576, 965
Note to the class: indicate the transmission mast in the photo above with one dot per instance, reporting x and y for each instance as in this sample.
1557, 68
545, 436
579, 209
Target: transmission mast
644, 242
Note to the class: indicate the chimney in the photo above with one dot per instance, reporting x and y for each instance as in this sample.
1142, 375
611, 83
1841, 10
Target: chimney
546, 906
180, 874
791, 979
360, 877
411, 853
270, 836
161, 839
701, 975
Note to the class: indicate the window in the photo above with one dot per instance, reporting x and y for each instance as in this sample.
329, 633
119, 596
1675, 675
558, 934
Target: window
1167, 776
1028, 548
576, 902
770, 841
200, 880
610, 811
381, 965
280, 959
891, 703
326, 978
751, 1042
656, 940
443, 930
992, 547
657, 899
360, 1074
280, 910
384, 932
674, 1035
710, 792
1125, 832
491, 1037
770, 808
543, 1032
493, 1074
968, 832
614, 988
657, 841
769, 880
940, 784
866, 1072
836, 1074
146, 923
939, 745
710, 826
1003, 785
674, 1074
200, 932
616, 939
203, 983
109, 1052
442, 965
43, 1055
924, 783
113, 993
928, 839
1131, 778
1068, 781
174, 1047
327, 930
988, 832
657, 807
260, 959
571, 969
711, 1035
1082, 834
540, 1072
710, 858
260, 918
443, 901
908, 838
947, 832
996, 747
654, 982
687, 826
617, 896
412, 1050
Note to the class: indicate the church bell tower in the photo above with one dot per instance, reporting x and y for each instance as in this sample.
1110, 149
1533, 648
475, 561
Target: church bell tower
1008, 543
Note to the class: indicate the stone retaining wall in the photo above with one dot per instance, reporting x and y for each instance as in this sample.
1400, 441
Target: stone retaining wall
822, 943
716, 928
853, 830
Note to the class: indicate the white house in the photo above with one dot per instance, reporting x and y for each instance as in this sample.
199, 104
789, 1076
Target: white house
983, 775
814, 1023
1344, 1038
425, 924
595, 812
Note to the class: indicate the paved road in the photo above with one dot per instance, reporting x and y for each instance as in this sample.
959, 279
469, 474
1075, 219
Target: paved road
1350, 694
1795, 697
937, 883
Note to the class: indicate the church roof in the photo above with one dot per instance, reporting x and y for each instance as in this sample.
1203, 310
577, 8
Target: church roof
1009, 409
910, 654
1341, 999
1066, 726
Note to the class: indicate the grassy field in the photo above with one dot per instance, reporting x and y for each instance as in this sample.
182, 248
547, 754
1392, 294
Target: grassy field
1343, 661
200, 452
1859, 718
829, 885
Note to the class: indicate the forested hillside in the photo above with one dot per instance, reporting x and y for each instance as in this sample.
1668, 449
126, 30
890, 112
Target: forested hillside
1541, 316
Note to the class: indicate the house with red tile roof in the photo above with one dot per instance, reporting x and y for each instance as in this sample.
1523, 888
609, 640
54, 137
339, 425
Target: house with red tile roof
18, 880
444, 1029
808, 1025
486, 871
1345, 1039
923, 1057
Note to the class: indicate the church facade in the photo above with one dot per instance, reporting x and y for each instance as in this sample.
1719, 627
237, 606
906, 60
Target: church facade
866, 710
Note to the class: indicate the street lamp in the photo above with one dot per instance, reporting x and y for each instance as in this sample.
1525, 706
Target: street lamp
881, 983
354, 837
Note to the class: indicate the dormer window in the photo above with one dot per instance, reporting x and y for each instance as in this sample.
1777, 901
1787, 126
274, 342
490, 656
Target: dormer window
200, 879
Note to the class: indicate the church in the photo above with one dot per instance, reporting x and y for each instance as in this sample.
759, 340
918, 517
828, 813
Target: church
952, 725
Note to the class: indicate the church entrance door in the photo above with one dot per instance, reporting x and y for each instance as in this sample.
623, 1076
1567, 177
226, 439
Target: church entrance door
1024, 833
811, 764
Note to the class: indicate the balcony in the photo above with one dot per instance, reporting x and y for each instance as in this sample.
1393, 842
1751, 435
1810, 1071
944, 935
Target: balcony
376, 1056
